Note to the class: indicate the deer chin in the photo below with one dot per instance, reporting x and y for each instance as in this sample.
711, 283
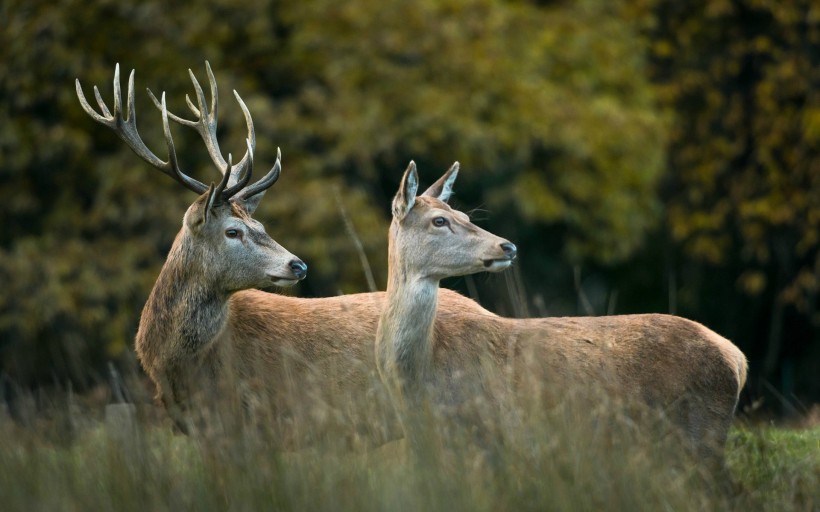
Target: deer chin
283, 282
496, 265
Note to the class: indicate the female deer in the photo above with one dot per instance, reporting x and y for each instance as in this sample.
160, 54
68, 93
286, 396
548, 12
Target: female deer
666, 361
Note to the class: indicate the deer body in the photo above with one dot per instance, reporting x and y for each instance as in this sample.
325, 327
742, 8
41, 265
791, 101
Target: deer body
286, 341
204, 328
204, 321
665, 361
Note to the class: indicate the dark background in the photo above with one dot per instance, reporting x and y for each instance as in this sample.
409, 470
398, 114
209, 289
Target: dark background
645, 156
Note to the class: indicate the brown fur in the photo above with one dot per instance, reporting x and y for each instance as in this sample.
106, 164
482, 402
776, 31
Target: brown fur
194, 329
668, 362
203, 326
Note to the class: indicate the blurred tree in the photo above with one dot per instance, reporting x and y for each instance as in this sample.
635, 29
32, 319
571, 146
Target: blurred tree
743, 194
548, 108
86, 223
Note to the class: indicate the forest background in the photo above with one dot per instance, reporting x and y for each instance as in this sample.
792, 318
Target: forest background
645, 156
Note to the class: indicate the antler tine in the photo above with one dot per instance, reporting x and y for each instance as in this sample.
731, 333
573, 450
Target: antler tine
203, 110
172, 166
86, 106
206, 123
215, 192
220, 188
118, 92
212, 83
126, 128
246, 178
267, 181
251, 138
248, 120
101, 103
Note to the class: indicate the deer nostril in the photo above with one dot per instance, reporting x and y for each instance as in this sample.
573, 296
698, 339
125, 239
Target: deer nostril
299, 268
509, 249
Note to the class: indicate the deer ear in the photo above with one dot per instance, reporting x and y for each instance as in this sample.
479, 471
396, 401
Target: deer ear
213, 199
406, 196
197, 213
443, 188
251, 203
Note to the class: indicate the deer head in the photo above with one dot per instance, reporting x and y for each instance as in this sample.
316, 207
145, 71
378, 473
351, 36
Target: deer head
218, 233
429, 237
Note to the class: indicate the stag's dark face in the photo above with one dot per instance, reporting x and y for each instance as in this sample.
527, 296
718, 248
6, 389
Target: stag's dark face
232, 248
235, 248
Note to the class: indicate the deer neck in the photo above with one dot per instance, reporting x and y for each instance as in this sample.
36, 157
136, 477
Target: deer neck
404, 338
186, 310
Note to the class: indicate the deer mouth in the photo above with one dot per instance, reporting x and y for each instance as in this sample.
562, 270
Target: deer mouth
283, 282
497, 264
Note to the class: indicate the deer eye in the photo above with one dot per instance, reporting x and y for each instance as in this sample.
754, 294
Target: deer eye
233, 233
440, 222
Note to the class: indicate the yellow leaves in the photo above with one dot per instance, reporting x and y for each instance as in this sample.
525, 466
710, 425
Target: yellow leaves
803, 288
811, 124
535, 199
762, 44
702, 232
752, 282
772, 210
711, 249
745, 151
684, 225
719, 9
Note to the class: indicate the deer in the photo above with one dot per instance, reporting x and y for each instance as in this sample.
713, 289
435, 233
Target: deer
206, 321
664, 361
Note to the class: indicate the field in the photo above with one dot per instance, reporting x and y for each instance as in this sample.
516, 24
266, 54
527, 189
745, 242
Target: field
564, 457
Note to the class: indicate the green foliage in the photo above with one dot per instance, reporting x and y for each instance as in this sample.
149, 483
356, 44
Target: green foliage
745, 150
778, 465
548, 109
566, 117
527, 98
741, 238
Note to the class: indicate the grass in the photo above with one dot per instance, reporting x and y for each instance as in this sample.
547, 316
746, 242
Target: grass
566, 457
778, 467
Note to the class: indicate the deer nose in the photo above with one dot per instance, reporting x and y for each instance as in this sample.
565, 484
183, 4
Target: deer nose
510, 250
299, 268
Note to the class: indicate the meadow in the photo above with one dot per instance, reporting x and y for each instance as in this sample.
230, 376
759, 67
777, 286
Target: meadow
571, 455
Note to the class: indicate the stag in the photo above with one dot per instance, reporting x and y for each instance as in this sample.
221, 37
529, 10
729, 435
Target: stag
219, 250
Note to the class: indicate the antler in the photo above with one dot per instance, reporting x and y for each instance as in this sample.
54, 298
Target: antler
205, 124
126, 128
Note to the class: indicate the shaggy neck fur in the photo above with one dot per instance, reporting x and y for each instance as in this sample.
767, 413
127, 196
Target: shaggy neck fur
185, 312
404, 337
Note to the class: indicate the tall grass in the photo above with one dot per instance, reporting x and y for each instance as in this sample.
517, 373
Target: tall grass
321, 446
578, 452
